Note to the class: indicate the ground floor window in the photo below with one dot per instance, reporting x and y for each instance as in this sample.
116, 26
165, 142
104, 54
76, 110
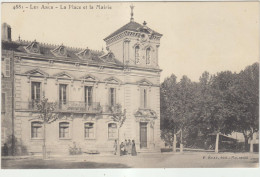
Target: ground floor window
112, 130
36, 129
64, 130
89, 130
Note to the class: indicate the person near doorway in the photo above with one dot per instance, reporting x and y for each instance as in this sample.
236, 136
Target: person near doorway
122, 149
133, 148
129, 147
115, 147
125, 147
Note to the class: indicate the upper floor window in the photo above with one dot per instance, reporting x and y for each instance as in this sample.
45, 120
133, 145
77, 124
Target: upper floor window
88, 95
63, 93
137, 48
64, 130
35, 91
36, 130
89, 130
112, 96
3, 103
143, 98
112, 130
148, 55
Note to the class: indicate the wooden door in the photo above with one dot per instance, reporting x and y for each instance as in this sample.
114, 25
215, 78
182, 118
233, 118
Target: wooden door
143, 135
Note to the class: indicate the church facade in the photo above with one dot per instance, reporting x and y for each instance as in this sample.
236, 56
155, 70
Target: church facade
87, 87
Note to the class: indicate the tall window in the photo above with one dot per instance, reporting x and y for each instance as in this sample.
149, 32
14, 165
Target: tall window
148, 55
64, 130
112, 129
88, 95
7, 67
3, 103
137, 54
112, 96
36, 129
63, 94
35, 91
143, 98
89, 130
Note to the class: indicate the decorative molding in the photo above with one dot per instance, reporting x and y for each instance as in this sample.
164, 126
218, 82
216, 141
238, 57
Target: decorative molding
85, 54
35, 73
60, 51
63, 75
33, 47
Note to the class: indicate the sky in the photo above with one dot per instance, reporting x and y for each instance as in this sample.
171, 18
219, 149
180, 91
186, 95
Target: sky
197, 36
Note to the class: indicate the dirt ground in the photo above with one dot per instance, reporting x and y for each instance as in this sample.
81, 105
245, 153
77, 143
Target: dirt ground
146, 160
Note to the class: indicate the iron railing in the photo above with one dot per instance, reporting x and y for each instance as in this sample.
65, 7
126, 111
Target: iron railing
69, 106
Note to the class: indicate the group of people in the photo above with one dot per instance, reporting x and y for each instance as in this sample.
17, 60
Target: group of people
126, 148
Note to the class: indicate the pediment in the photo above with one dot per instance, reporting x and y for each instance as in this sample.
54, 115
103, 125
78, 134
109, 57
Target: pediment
144, 82
89, 77
63, 75
112, 80
60, 51
36, 73
33, 47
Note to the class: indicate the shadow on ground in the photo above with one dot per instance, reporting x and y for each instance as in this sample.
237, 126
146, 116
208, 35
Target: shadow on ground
54, 164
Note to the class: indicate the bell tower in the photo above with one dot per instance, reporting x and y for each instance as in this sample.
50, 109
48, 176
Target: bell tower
135, 44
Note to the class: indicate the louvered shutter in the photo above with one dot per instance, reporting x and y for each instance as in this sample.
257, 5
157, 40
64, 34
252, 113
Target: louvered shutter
141, 97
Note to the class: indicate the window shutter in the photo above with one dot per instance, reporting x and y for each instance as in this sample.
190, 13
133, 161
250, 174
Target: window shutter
115, 96
141, 97
109, 96
7, 67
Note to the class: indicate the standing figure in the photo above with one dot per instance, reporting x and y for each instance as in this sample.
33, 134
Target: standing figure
129, 147
133, 148
125, 149
115, 147
121, 149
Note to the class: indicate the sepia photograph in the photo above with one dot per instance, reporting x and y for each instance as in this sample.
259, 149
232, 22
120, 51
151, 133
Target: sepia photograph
101, 85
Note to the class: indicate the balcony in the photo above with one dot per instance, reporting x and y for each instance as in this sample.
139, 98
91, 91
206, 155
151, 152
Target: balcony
112, 109
69, 107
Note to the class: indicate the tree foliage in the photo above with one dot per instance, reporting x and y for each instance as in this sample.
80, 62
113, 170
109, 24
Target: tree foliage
223, 103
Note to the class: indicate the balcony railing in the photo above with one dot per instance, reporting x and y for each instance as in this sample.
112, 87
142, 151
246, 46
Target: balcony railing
69, 106
112, 109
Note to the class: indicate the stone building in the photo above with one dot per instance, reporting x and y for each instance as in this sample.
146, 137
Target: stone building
88, 87
7, 76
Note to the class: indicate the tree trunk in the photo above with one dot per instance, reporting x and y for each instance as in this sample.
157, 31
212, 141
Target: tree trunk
174, 143
251, 145
217, 142
44, 140
118, 144
246, 143
181, 144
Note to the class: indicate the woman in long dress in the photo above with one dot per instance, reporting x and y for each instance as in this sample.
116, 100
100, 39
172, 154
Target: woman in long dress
129, 147
122, 149
133, 148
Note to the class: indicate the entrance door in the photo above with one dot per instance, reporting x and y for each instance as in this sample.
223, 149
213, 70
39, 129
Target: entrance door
143, 135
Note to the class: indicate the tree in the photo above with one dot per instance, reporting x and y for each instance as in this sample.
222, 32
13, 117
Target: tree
245, 99
119, 117
46, 114
177, 101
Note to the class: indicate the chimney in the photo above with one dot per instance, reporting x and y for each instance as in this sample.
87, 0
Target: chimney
6, 32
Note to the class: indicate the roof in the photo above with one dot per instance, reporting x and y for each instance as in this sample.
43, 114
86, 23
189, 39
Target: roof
131, 26
46, 50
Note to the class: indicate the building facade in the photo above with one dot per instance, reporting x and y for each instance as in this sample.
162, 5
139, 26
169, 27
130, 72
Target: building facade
87, 87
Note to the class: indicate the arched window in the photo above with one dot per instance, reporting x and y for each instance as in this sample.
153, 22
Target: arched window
36, 130
89, 130
148, 55
64, 130
112, 130
137, 48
